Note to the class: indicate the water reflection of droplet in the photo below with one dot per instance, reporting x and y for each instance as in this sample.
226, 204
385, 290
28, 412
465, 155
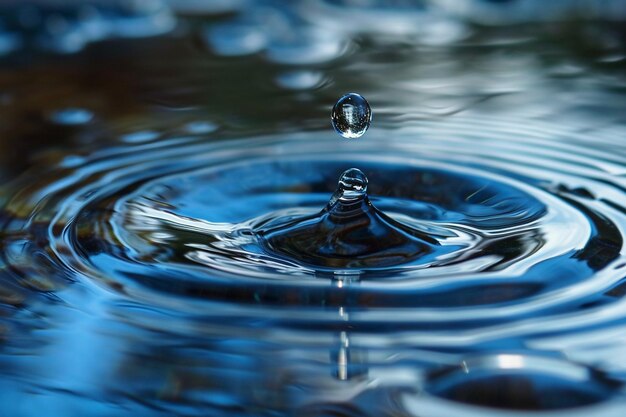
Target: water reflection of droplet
351, 116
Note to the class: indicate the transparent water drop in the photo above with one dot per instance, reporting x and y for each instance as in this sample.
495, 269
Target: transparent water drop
351, 116
352, 185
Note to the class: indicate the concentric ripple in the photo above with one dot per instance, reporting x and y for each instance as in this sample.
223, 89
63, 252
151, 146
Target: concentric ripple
523, 231
178, 239
183, 218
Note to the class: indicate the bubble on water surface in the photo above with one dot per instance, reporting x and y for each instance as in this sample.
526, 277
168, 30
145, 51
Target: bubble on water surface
351, 116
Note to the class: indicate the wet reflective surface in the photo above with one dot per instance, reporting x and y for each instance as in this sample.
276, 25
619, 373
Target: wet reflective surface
179, 236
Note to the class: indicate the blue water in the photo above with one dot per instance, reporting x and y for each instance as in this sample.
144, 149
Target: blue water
177, 237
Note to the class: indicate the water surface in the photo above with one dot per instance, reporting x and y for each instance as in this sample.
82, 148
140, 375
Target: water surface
141, 173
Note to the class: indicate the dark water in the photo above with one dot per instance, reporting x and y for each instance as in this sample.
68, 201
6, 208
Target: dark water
171, 244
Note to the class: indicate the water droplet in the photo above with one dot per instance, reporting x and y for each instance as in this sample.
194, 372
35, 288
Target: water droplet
351, 116
352, 185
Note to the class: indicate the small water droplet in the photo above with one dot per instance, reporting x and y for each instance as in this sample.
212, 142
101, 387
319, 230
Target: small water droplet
352, 184
351, 116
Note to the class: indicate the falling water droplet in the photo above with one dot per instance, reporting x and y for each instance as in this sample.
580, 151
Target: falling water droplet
351, 116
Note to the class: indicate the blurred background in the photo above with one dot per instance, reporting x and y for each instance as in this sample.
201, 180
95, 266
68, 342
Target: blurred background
262, 66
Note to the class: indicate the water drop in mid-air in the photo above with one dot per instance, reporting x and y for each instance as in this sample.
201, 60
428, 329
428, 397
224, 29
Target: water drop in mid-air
351, 116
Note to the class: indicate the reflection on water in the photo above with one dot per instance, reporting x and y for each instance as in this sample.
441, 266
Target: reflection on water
155, 153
